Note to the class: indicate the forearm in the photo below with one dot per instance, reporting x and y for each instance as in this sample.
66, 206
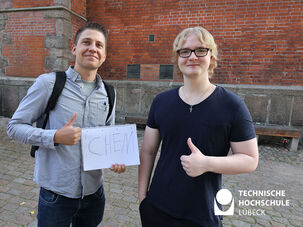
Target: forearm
232, 164
148, 154
145, 170
243, 160
31, 135
30, 110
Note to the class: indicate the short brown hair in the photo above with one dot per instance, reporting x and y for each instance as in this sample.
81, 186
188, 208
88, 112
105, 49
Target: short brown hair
93, 26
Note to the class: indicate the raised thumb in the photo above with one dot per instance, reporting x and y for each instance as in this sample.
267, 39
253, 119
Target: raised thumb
191, 146
72, 120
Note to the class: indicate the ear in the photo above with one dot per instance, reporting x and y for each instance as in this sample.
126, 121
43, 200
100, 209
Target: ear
212, 59
74, 49
104, 57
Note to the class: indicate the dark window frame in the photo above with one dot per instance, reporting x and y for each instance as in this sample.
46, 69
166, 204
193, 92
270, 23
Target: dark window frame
133, 71
167, 72
151, 38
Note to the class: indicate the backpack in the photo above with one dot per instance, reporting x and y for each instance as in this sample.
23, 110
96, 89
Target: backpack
58, 87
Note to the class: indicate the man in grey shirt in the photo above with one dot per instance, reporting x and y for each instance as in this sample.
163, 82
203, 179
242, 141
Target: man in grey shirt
68, 194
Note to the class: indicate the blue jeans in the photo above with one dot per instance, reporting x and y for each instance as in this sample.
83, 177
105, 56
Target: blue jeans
60, 211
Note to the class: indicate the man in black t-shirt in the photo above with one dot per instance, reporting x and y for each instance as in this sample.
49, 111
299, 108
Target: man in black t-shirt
197, 124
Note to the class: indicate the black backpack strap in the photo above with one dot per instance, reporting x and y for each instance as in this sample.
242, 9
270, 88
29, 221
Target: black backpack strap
57, 89
111, 97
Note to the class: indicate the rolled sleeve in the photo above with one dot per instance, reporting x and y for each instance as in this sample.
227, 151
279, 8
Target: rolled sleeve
30, 110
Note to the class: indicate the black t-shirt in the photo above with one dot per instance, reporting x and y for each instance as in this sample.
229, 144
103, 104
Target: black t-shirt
212, 124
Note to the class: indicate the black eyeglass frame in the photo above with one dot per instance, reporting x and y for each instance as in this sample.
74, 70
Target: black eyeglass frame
205, 48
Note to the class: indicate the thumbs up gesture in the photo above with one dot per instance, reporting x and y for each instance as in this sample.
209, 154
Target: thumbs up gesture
195, 163
68, 134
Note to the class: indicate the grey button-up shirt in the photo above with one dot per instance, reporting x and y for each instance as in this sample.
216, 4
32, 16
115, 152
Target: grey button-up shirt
60, 168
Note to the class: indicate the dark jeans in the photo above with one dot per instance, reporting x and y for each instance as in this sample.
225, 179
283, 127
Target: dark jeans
152, 216
60, 211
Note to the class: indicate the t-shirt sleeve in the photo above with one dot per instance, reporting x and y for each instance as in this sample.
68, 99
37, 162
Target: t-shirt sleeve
151, 121
242, 128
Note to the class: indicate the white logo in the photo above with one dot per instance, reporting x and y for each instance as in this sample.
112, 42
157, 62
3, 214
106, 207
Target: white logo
224, 197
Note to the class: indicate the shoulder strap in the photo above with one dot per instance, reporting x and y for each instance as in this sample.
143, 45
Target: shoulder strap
111, 97
57, 89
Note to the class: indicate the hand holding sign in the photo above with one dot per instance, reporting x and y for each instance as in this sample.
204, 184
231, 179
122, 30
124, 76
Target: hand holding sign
117, 168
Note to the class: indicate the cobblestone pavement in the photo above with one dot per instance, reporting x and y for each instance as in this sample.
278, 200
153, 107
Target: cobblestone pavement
278, 170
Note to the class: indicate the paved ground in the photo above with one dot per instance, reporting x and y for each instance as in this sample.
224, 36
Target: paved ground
278, 170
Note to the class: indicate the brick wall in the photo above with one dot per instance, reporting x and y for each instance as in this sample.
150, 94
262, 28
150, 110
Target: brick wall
260, 42
79, 6
26, 53
37, 37
31, 3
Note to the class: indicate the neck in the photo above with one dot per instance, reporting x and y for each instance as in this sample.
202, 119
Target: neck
196, 85
87, 75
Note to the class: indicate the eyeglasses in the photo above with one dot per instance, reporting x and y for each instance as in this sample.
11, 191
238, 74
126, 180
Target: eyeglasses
199, 52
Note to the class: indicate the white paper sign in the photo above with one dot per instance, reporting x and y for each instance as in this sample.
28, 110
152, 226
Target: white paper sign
104, 146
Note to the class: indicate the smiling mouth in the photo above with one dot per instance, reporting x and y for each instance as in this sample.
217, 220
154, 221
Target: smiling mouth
91, 56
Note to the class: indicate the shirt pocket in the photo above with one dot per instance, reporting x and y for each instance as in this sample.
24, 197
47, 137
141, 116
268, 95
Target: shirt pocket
98, 112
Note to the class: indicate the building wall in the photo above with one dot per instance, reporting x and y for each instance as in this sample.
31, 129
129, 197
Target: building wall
260, 42
79, 7
31, 3
279, 105
37, 35
26, 52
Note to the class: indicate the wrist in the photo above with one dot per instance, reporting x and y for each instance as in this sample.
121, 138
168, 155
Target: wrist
142, 194
56, 138
207, 165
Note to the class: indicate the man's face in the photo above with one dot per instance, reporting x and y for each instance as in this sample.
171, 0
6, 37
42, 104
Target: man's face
90, 50
194, 65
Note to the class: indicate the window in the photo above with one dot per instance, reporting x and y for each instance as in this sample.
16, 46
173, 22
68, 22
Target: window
151, 38
166, 72
133, 71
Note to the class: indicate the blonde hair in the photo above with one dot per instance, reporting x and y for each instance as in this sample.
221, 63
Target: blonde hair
205, 38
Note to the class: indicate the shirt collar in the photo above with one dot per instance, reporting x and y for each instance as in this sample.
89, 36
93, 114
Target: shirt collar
76, 77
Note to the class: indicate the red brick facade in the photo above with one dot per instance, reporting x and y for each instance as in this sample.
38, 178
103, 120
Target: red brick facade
31, 3
26, 53
260, 42
79, 6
